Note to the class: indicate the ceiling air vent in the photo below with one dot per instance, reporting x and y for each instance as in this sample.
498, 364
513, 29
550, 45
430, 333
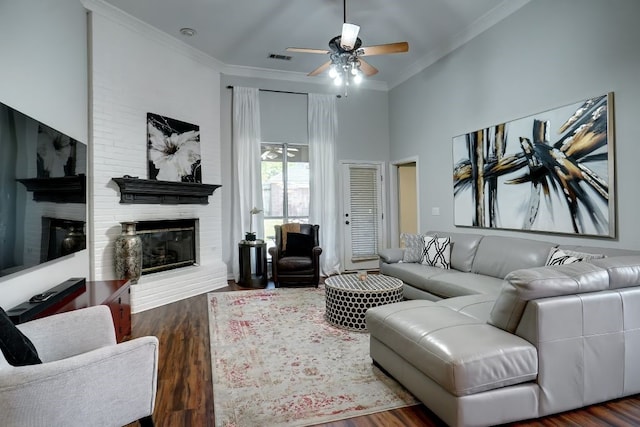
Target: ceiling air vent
280, 57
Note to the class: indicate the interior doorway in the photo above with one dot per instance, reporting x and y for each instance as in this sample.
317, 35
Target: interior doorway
405, 206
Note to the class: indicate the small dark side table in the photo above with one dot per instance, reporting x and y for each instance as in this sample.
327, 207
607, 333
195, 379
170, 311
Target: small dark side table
253, 274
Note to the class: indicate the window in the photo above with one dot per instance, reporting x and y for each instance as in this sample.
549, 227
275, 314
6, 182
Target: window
285, 185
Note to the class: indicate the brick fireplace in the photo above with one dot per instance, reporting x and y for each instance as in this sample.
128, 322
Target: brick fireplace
131, 78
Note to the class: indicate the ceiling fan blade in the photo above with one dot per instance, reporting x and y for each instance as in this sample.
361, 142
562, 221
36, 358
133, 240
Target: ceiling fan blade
349, 36
306, 50
366, 68
383, 49
320, 69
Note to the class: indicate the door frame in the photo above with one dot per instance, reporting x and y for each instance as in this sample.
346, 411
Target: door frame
383, 202
394, 203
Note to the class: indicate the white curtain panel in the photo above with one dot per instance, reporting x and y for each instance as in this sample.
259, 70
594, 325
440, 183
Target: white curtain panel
323, 204
247, 186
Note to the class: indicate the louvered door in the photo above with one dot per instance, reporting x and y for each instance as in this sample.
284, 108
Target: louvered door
363, 217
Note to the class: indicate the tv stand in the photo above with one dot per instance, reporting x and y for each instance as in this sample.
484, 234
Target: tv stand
115, 294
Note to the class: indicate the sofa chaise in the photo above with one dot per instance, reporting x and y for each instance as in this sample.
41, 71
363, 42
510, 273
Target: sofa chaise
537, 341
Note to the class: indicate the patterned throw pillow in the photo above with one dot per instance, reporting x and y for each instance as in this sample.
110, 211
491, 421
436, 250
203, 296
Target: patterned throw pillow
583, 256
413, 245
560, 257
437, 252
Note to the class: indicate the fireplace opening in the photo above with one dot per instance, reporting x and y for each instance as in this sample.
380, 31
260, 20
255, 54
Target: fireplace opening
167, 244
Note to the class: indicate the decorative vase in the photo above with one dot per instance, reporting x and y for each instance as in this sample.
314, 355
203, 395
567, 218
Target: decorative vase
74, 241
128, 253
250, 236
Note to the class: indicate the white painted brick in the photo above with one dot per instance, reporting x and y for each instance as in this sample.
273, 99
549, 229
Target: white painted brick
130, 79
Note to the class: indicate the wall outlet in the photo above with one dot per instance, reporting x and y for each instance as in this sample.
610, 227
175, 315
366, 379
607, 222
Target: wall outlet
435, 211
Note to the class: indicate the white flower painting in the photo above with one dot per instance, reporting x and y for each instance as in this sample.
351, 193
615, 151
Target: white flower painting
174, 149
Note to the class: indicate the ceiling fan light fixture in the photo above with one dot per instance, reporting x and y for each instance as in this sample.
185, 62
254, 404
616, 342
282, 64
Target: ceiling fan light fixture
333, 72
345, 64
349, 35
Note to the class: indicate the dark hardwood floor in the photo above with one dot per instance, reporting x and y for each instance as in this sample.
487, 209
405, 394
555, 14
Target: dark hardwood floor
185, 387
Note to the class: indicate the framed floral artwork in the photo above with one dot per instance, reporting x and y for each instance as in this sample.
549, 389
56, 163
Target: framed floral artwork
549, 172
173, 148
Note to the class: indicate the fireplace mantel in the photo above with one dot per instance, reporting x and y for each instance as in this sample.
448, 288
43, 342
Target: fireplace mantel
65, 189
150, 191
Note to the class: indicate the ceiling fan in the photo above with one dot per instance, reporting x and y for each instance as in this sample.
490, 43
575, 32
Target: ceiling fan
346, 51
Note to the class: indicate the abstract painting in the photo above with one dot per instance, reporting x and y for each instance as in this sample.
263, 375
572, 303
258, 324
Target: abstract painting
173, 149
550, 172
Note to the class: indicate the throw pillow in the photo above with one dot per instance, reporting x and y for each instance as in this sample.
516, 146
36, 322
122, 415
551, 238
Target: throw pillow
299, 244
413, 246
437, 252
560, 257
15, 346
583, 256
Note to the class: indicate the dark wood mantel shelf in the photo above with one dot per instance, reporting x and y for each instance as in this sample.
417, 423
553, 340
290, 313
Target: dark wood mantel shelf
65, 189
150, 191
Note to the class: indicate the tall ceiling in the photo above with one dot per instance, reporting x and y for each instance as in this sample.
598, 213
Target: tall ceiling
243, 33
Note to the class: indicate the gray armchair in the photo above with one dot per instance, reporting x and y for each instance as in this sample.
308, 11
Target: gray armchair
85, 378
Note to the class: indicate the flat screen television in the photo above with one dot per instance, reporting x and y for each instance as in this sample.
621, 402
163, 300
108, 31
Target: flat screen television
42, 192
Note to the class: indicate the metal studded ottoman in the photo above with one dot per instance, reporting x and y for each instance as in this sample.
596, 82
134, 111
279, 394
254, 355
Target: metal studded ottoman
348, 298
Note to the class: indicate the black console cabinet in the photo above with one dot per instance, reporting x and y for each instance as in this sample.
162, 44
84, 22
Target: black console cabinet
115, 294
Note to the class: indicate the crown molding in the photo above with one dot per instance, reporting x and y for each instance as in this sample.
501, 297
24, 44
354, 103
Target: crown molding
489, 19
132, 23
480, 25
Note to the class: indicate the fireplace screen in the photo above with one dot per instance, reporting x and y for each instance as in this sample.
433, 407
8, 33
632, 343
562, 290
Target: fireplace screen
167, 244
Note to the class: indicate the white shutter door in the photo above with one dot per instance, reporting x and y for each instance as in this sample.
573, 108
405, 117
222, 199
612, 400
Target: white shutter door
363, 216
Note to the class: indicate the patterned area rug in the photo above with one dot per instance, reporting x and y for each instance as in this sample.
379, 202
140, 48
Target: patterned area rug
277, 362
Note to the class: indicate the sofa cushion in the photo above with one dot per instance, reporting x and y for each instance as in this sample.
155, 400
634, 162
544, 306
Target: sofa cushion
301, 264
417, 275
498, 256
463, 248
521, 286
391, 255
476, 306
437, 252
452, 283
442, 283
463, 355
623, 271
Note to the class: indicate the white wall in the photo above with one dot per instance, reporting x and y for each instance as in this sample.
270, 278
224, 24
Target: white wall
548, 54
136, 70
44, 75
363, 126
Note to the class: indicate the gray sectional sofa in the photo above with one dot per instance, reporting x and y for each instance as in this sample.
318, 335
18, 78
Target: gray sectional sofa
479, 264
501, 337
